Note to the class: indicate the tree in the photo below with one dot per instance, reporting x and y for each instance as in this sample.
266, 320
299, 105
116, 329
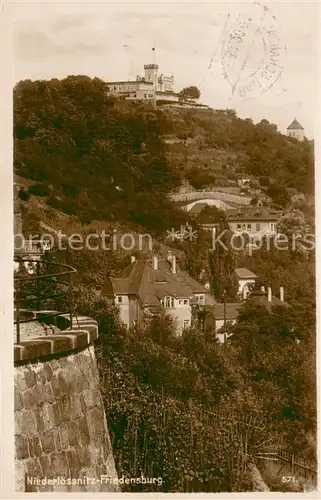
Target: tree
191, 92
67, 135
293, 222
278, 374
222, 264
254, 201
23, 194
279, 194
299, 233
200, 178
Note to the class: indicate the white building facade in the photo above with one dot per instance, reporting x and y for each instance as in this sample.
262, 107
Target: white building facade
295, 130
150, 286
149, 87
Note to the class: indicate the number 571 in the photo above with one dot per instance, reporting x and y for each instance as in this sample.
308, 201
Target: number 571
288, 479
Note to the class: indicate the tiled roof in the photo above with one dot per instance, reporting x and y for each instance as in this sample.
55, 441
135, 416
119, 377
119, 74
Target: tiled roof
252, 213
197, 208
233, 309
152, 285
295, 125
261, 299
243, 273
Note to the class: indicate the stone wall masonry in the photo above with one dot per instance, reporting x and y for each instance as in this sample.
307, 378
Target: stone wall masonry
61, 433
217, 195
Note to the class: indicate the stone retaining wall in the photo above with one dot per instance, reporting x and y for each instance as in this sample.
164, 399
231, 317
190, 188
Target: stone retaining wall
217, 195
61, 433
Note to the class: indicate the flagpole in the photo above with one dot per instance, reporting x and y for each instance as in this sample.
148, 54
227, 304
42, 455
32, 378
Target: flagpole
154, 100
126, 47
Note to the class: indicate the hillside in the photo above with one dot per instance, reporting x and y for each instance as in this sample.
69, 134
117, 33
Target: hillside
86, 163
97, 158
91, 157
217, 145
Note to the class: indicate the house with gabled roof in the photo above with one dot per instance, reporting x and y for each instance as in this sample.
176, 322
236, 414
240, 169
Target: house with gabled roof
259, 221
295, 130
148, 284
228, 313
246, 281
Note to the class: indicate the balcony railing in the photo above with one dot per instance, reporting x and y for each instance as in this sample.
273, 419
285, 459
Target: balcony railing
46, 287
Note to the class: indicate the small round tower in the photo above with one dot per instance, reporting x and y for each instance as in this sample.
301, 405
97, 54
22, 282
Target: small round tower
295, 130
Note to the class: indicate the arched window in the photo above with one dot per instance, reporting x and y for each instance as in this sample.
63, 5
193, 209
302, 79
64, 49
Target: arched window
168, 302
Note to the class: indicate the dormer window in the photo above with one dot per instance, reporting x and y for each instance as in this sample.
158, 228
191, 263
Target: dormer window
168, 302
200, 299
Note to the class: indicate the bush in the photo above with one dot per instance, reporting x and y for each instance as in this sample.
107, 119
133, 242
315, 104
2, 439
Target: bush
24, 195
39, 190
93, 150
54, 202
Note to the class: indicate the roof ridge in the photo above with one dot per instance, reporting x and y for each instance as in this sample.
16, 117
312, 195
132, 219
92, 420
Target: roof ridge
295, 125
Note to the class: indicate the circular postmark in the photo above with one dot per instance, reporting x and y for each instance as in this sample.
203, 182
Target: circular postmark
253, 52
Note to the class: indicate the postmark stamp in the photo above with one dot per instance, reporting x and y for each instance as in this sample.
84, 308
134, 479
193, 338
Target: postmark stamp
253, 51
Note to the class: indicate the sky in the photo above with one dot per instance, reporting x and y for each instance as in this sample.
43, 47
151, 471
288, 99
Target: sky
113, 41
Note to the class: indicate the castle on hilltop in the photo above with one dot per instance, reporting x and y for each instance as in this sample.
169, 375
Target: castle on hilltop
151, 86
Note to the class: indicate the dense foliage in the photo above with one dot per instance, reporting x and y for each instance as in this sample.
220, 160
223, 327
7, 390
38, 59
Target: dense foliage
164, 393
191, 92
186, 409
194, 412
92, 156
174, 405
209, 257
277, 353
294, 365
239, 146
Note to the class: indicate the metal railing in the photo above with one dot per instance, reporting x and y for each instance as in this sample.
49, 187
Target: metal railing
45, 282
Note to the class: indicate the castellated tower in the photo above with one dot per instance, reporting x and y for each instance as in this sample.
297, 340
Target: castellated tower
151, 72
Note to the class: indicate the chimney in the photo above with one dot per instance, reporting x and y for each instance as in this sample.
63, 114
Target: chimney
132, 258
174, 264
155, 263
269, 294
282, 293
